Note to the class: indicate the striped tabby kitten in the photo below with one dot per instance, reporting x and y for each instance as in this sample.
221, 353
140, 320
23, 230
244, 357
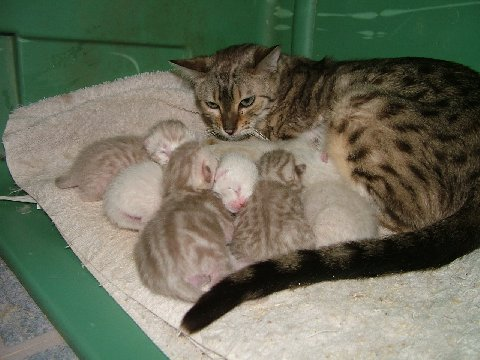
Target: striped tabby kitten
182, 250
403, 132
273, 223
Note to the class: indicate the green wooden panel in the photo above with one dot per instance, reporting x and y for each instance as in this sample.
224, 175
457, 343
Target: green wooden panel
8, 88
49, 67
91, 322
65, 45
444, 29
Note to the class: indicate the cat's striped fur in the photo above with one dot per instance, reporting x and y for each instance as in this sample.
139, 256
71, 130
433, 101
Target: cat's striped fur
404, 132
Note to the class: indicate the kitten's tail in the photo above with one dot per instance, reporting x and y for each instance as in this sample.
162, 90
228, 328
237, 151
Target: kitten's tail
428, 248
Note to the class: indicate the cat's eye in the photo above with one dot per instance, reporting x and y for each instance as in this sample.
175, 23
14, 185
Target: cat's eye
247, 101
211, 104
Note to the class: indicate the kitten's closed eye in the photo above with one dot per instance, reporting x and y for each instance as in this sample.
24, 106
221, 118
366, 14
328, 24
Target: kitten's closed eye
212, 105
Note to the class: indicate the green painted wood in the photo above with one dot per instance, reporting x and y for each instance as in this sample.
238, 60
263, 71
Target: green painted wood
66, 45
9, 98
52, 67
91, 322
304, 27
448, 30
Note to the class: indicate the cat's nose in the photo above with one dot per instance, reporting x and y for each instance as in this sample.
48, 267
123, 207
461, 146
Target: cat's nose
230, 131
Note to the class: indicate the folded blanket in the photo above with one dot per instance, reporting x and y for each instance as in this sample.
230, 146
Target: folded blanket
433, 314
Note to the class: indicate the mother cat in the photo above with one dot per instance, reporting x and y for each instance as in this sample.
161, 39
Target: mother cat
404, 132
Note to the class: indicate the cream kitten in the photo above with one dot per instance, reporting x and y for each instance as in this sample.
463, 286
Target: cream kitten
98, 163
135, 193
338, 214
234, 181
165, 137
182, 250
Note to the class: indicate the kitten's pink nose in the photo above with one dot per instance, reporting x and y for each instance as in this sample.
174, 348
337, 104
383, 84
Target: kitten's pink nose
230, 131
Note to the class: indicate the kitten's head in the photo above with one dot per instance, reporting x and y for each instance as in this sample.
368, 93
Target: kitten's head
165, 137
234, 181
280, 165
191, 167
235, 88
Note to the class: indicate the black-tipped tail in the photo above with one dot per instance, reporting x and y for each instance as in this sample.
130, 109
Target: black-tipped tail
431, 247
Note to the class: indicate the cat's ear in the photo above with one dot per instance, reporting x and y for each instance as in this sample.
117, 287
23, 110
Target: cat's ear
269, 62
191, 69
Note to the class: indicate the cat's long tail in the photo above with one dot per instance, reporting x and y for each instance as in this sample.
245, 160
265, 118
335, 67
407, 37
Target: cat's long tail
428, 248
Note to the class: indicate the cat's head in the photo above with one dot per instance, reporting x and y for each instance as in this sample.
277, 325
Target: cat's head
235, 180
281, 166
165, 137
235, 88
191, 167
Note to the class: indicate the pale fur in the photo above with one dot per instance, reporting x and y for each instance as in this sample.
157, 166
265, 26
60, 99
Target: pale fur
182, 249
273, 223
134, 195
235, 180
338, 214
333, 210
98, 163
164, 138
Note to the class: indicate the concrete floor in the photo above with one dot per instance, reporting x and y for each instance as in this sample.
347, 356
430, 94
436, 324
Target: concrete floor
25, 332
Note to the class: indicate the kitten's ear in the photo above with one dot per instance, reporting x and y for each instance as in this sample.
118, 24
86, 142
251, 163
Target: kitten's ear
269, 62
191, 69
300, 169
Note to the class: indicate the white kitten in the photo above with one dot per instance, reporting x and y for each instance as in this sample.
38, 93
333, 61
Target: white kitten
336, 213
234, 181
134, 195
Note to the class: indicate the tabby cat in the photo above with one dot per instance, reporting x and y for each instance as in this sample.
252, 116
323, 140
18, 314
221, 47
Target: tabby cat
404, 132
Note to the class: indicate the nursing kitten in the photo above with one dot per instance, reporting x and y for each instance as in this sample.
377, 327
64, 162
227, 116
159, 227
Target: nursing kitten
98, 163
272, 223
182, 250
338, 214
134, 195
164, 138
234, 180
403, 132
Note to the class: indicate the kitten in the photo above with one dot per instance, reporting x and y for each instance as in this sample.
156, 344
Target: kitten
273, 223
403, 132
165, 137
234, 180
134, 195
182, 250
98, 163
338, 214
